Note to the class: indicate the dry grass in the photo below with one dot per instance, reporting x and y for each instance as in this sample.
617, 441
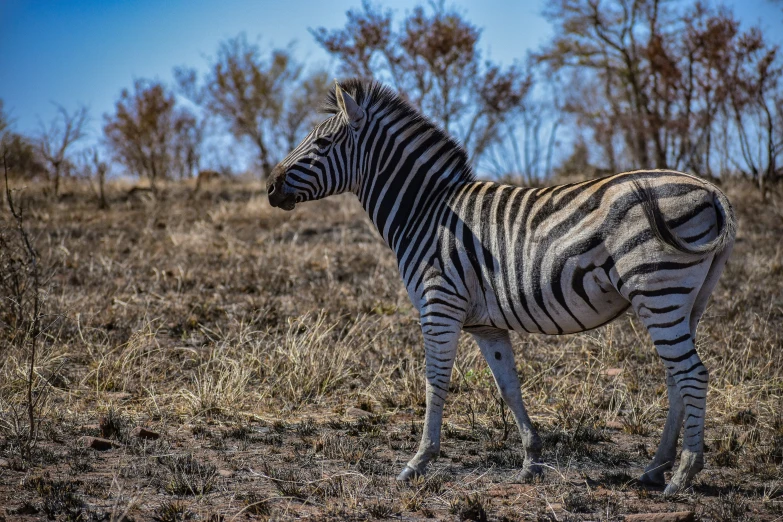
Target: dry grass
280, 359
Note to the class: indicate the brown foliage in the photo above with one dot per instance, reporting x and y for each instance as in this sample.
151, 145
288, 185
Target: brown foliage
19, 152
21, 157
150, 135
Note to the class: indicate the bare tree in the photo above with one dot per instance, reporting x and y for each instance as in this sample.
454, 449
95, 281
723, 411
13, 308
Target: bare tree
433, 59
252, 94
525, 152
188, 130
754, 98
55, 140
662, 83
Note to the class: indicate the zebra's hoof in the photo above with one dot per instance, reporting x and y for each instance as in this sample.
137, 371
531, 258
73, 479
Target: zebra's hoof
672, 489
691, 462
407, 474
653, 478
530, 472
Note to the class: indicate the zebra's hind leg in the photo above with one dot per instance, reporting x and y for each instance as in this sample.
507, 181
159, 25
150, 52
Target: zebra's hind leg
496, 348
675, 346
691, 378
667, 449
441, 335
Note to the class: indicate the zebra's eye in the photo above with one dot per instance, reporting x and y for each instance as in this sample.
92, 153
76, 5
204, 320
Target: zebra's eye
322, 143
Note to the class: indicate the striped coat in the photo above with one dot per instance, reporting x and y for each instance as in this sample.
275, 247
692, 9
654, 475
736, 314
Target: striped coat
491, 258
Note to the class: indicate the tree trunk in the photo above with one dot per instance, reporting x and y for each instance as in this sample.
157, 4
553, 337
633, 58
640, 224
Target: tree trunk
56, 180
102, 203
153, 178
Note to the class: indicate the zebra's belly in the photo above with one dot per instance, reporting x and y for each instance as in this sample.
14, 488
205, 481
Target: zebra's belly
605, 307
580, 300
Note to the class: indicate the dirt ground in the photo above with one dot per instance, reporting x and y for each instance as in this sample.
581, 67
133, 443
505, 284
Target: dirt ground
278, 359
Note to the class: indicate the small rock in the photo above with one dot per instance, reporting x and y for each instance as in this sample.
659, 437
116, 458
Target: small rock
144, 433
612, 372
356, 413
676, 516
97, 443
225, 473
22, 509
4, 463
615, 425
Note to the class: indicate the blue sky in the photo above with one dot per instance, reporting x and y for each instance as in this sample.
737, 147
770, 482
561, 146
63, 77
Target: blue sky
73, 52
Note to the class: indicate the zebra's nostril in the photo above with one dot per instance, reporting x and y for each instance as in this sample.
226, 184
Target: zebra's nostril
271, 190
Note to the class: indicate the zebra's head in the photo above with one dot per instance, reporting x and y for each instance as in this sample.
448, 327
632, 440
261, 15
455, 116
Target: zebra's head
324, 163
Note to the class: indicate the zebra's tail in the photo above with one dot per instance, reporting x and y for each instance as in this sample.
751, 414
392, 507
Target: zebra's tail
726, 223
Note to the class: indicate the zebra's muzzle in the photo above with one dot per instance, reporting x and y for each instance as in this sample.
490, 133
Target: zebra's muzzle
277, 195
284, 201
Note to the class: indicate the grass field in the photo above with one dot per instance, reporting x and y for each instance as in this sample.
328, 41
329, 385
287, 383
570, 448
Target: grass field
277, 356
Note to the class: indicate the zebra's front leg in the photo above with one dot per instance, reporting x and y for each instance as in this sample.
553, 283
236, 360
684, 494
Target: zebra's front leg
441, 336
496, 348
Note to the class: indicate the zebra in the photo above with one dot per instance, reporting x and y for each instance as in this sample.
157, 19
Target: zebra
490, 258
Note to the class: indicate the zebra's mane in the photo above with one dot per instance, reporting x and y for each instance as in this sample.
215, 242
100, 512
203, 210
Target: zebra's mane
371, 94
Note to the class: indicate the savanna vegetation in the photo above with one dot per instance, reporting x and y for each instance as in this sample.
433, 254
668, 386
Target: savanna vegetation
172, 348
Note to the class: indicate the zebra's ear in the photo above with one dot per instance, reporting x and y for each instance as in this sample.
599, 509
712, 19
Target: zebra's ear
348, 106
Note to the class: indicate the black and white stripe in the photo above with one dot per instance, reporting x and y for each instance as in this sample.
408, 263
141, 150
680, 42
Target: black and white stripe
490, 258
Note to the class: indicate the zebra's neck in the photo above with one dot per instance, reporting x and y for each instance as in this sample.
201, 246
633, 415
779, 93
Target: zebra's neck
409, 168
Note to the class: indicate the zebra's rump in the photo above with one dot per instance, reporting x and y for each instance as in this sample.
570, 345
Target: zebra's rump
565, 259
